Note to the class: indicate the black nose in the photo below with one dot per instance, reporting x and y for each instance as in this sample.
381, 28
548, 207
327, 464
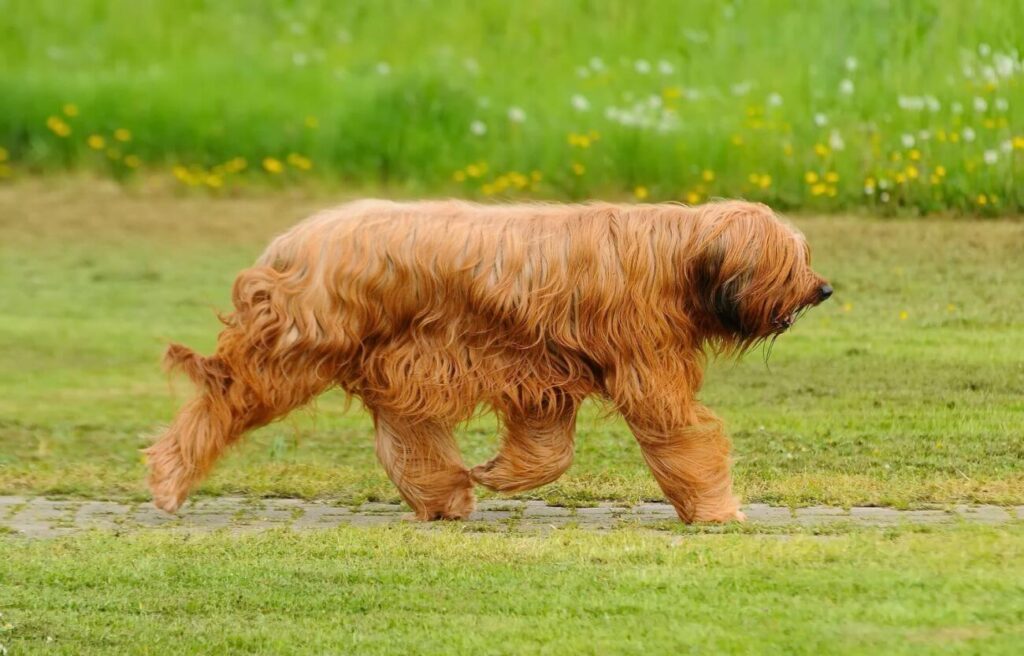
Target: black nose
825, 291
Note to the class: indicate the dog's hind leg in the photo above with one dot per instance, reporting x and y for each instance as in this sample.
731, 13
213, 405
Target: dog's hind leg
424, 463
228, 405
537, 448
691, 464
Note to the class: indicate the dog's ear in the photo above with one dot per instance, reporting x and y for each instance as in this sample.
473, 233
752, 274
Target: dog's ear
717, 290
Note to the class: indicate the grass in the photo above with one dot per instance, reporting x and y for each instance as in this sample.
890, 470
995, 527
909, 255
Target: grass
911, 106
401, 590
905, 389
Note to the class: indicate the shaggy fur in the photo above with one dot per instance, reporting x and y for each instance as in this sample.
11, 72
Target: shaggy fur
427, 310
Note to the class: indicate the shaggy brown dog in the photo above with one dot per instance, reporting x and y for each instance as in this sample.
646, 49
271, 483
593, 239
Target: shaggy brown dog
427, 310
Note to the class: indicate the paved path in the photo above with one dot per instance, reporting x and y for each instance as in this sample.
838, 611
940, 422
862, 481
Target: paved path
38, 517
41, 517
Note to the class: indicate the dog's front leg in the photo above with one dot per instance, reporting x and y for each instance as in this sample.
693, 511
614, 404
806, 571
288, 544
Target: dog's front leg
691, 464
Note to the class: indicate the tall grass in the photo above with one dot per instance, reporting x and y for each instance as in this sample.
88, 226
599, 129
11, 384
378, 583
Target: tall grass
816, 105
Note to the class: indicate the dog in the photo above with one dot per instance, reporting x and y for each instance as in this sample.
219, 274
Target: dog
426, 311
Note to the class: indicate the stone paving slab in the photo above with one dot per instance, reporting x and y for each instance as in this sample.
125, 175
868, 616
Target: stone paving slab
40, 517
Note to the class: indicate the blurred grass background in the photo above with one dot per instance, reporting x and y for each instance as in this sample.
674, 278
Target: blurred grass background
909, 106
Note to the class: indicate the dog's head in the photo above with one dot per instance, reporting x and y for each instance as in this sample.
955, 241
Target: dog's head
750, 273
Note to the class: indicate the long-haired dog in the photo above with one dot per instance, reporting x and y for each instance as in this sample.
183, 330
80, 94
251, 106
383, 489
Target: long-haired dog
427, 310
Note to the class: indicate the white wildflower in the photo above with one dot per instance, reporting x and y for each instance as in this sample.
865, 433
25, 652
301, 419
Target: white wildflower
1002, 104
1005, 66
835, 140
846, 87
924, 135
851, 63
582, 72
483, 101
774, 100
580, 103
1006, 146
383, 68
820, 120
479, 128
596, 64
968, 134
516, 114
984, 49
742, 88
908, 140
642, 66
869, 190
884, 197
991, 156
300, 59
665, 67
980, 104
957, 108
932, 103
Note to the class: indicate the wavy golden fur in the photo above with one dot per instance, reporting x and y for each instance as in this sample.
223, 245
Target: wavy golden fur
427, 310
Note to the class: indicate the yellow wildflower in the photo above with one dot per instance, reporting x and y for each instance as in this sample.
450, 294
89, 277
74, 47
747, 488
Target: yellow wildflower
832, 177
272, 165
1018, 142
912, 172
132, 161
213, 181
113, 153
640, 192
914, 154
737, 140
787, 149
70, 110
58, 126
474, 171
123, 134
900, 178
810, 177
96, 142
847, 307
707, 175
982, 200
818, 189
832, 191
954, 137
940, 171
578, 168
670, 93
692, 198
311, 122
488, 189
300, 162
536, 176
821, 150
459, 176
904, 315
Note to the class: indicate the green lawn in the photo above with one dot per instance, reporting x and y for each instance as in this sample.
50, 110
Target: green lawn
907, 388
912, 106
404, 590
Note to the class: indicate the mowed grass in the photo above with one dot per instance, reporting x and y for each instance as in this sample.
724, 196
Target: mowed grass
403, 590
907, 388
911, 106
